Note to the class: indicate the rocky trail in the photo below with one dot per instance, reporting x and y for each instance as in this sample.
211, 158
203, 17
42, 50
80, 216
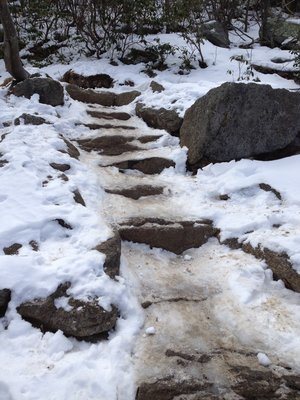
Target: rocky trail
204, 335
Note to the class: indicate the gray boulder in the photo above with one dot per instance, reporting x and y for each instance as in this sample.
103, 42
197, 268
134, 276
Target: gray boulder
84, 320
215, 33
51, 92
237, 120
160, 118
281, 33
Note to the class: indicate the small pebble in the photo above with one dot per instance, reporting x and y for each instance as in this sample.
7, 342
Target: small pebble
187, 257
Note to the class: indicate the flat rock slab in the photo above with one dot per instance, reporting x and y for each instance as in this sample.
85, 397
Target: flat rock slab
84, 320
122, 116
109, 145
5, 295
108, 99
138, 191
176, 236
90, 96
151, 166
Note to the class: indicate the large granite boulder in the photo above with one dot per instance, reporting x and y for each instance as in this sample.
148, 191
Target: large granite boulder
82, 320
50, 91
237, 120
160, 118
281, 33
215, 33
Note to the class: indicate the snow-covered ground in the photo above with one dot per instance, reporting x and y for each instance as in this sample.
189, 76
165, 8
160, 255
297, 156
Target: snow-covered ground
260, 312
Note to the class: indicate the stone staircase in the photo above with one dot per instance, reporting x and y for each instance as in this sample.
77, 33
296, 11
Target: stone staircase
184, 352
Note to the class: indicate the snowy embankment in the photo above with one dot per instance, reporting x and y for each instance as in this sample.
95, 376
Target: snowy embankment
34, 198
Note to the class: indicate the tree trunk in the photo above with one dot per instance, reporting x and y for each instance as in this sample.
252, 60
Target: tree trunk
265, 10
12, 58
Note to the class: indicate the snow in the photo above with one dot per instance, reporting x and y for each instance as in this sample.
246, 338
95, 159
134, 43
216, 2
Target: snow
33, 198
150, 331
263, 359
249, 304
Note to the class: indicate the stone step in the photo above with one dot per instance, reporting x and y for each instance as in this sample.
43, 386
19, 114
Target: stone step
109, 126
150, 166
122, 116
136, 192
174, 236
107, 99
109, 145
